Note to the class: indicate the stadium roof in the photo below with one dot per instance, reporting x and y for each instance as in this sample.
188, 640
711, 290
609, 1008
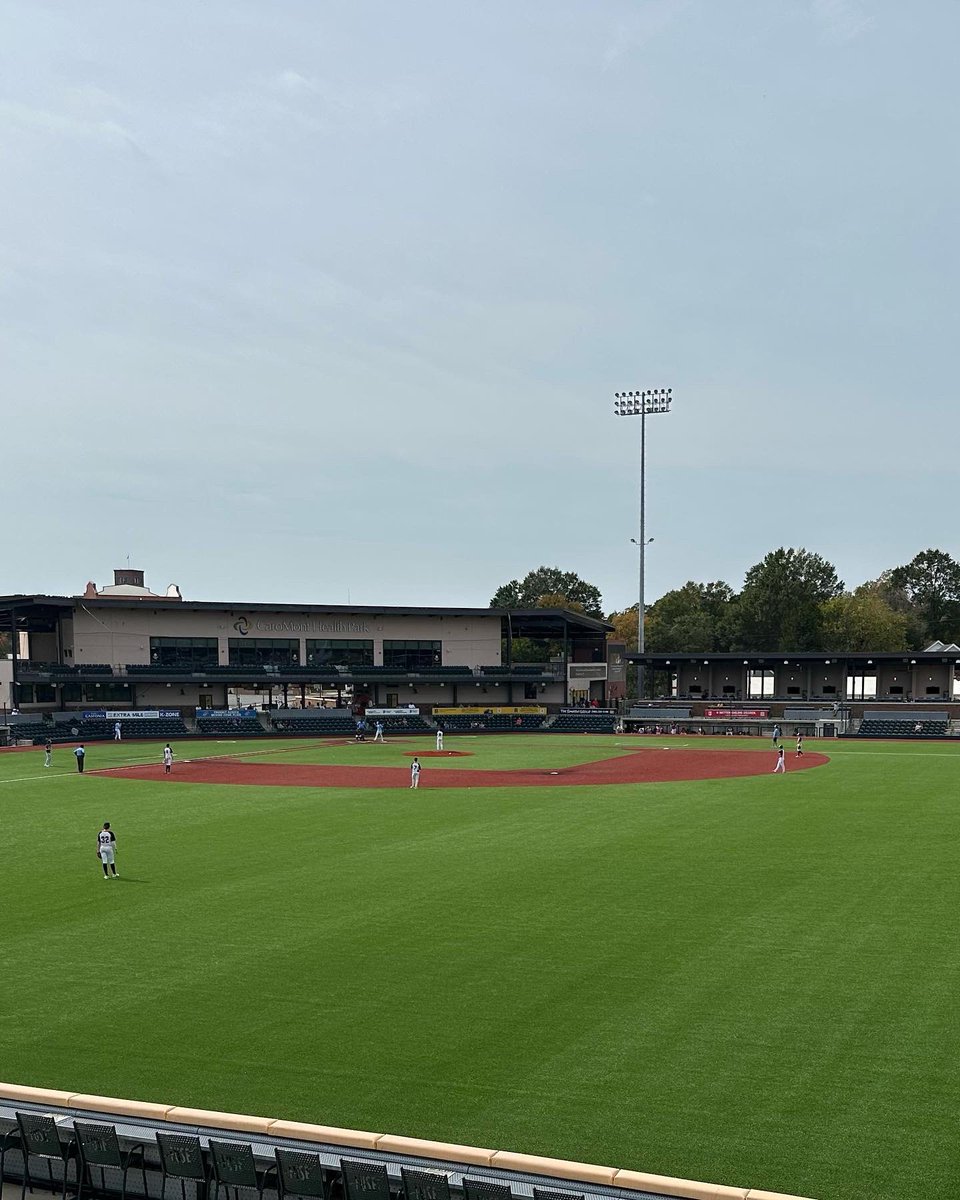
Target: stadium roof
524, 622
799, 657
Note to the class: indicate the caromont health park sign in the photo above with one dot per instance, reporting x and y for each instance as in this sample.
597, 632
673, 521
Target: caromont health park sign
347, 625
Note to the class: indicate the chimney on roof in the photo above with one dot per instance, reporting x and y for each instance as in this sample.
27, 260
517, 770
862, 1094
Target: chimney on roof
129, 576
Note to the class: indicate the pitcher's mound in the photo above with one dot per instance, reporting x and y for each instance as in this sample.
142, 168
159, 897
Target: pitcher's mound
438, 753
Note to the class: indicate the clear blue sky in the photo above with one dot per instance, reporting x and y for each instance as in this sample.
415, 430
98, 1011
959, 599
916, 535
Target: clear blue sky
315, 300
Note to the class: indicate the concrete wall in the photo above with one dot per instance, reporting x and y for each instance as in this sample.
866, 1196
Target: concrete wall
122, 635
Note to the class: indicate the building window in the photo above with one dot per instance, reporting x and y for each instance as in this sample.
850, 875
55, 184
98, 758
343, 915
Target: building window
264, 652
184, 652
412, 656
348, 652
760, 685
862, 687
102, 692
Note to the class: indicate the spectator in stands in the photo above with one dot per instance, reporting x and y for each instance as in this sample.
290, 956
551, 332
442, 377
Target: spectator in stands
80, 754
415, 773
106, 850
918, 728
47, 752
117, 731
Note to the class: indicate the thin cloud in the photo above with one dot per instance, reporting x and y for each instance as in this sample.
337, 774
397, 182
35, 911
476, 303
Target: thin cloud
58, 124
842, 21
641, 29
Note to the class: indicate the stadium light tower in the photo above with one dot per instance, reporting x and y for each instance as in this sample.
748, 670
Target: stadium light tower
642, 405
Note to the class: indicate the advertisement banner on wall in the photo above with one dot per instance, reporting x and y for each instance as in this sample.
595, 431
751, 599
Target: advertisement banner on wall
128, 714
497, 710
586, 671
238, 714
409, 710
736, 714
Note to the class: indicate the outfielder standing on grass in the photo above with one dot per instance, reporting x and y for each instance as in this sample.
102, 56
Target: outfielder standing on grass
80, 755
167, 758
106, 850
47, 752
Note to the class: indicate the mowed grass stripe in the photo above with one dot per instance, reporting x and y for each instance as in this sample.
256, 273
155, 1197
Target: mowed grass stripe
745, 980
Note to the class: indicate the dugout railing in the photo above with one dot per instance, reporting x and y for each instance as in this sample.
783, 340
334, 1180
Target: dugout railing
464, 1172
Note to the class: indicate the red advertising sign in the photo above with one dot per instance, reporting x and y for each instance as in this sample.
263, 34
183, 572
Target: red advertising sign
737, 714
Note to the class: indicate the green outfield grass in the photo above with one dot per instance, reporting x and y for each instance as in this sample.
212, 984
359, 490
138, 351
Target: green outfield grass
748, 981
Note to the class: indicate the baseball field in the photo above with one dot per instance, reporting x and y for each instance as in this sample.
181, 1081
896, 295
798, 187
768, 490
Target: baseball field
647, 953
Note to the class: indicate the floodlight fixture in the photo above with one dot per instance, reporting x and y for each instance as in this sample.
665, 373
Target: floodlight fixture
642, 404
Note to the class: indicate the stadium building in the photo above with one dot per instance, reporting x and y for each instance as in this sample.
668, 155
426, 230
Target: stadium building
126, 647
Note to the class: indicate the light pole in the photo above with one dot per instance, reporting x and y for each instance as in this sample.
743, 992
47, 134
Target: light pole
642, 405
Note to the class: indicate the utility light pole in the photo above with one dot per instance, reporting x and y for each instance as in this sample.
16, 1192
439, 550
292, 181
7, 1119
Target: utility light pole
642, 405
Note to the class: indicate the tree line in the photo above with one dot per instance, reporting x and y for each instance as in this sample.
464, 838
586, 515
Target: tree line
792, 599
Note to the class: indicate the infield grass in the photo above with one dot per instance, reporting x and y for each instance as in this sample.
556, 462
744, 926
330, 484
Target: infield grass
750, 981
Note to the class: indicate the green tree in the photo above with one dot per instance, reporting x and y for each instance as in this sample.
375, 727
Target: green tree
556, 600
552, 582
692, 618
895, 597
624, 627
863, 621
780, 607
931, 581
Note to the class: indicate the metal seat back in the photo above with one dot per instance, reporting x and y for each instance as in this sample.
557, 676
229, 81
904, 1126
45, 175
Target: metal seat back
181, 1156
300, 1173
233, 1164
364, 1181
40, 1135
424, 1185
482, 1189
99, 1146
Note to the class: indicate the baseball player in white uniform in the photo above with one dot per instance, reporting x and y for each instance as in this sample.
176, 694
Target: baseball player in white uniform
106, 850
